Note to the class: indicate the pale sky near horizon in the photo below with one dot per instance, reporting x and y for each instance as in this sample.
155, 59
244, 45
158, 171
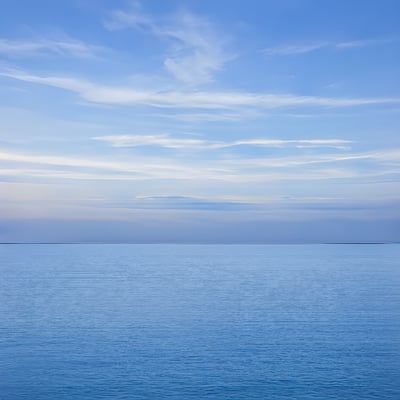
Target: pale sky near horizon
200, 121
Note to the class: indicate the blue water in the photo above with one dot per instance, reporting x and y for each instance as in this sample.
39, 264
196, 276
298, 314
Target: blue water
199, 322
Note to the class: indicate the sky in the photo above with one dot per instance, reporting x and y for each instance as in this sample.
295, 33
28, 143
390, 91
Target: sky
229, 121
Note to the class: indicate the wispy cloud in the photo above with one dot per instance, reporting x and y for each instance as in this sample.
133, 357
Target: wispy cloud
164, 140
34, 47
364, 43
83, 163
287, 50
303, 48
385, 157
234, 115
228, 170
300, 143
190, 203
92, 169
95, 93
132, 18
259, 203
196, 51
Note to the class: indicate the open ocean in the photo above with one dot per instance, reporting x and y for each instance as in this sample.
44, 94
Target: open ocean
199, 322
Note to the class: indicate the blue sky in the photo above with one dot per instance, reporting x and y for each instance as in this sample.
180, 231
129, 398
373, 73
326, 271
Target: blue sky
204, 121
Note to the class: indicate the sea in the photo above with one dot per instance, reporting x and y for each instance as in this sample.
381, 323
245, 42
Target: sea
192, 322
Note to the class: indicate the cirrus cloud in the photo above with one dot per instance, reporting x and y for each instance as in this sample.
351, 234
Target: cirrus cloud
165, 140
101, 94
196, 50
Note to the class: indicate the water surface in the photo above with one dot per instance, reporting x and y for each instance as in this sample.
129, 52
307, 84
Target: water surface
199, 322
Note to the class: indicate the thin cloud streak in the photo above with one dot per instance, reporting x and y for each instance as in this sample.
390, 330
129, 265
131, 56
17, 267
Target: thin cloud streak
94, 93
170, 207
146, 169
384, 156
365, 43
288, 50
235, 170
200, 175
75, 162
294, 49
164, 140
261, 203
237, 115
40, 47
387, 157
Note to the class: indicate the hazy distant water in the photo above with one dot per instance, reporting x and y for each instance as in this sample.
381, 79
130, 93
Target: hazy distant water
199, 322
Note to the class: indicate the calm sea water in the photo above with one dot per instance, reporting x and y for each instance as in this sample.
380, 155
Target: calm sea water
199, 322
